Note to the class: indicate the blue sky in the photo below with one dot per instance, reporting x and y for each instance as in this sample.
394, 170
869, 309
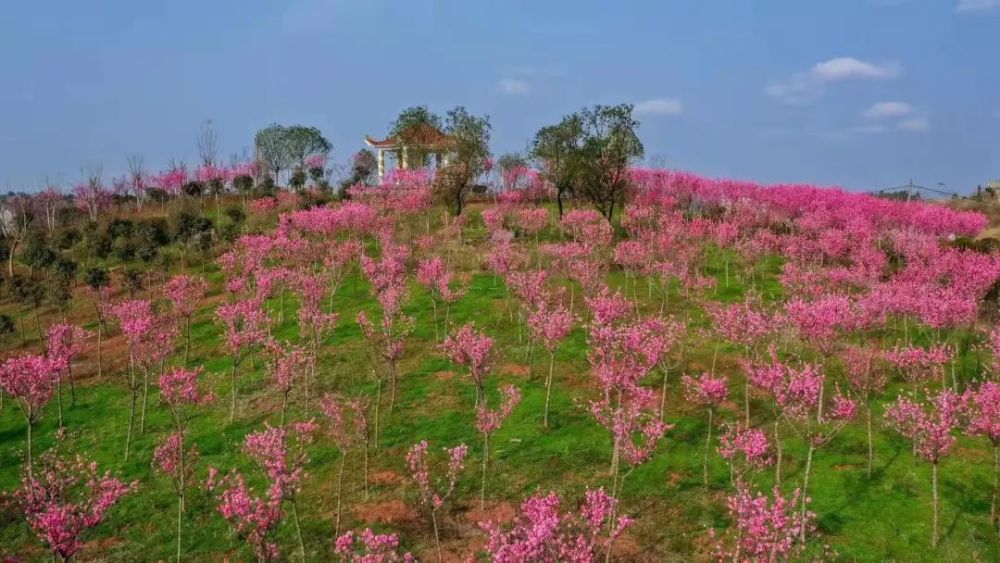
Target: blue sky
858, 93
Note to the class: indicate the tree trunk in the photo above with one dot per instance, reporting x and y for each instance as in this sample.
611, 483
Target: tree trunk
31, 474
298, 529
934, 501
805, 490
131, 420
145, 396
708, 445
340, 491
871, 453
548, 389
232, 394
777, 449
187, 338
486, 460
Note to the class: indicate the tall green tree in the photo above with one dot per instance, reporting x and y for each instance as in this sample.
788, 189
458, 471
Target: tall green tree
469, 149
272, 150
589, 153
301, 142
413, 119
610, 146
556, 151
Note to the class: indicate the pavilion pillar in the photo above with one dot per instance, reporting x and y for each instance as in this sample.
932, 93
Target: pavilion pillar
381, 165
403, 161
437, 159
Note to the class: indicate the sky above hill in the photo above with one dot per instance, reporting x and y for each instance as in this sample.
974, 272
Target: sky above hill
863, 94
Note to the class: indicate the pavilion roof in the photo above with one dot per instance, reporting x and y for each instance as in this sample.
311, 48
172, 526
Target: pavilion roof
421, 135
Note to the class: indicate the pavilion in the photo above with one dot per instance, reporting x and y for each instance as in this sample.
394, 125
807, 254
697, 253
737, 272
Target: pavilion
422, 137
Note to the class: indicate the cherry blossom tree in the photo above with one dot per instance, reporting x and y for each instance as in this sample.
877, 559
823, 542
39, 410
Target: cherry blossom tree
982, 412
868, 380
369, 547
185, 293
550, 324
348, 427
434, 493
64, 342
435, 276
930, 426
541, 531
65, 499
707, 392
179, 390
766, 528
150, 340
747, 450
471, 349
246, 328
489, 421
31, 381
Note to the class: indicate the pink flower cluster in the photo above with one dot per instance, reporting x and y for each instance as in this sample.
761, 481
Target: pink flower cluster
542, 532
65, 499
369, 547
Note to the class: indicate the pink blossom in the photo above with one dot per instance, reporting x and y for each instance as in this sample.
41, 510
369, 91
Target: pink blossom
542, 532
369, 547
705, 390
65, 499
765, 528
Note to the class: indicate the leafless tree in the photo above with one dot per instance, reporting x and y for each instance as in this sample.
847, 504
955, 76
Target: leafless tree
137, 177
208, 142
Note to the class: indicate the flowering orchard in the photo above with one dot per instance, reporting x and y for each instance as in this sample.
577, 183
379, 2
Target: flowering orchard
726, 371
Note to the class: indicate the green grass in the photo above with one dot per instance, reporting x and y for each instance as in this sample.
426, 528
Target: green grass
886, 517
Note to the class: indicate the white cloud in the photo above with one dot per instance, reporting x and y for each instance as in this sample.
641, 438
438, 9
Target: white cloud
888, 110
967, 6
514, 86
805, 87
849, 68
914, 125
659, 106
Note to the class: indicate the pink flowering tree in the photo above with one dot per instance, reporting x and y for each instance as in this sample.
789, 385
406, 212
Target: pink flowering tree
930, 426
252, 518
288, 365
280, 452
348, 427
747, 450
982, 414
473, 350
868, 380
541, 531
765, 528
64, 343
920, 366
31, 381
434, 493
65, 499
179, 390
550, 325
743, 324
314, 323
185, 294
707, 392
246, 328
150, 339
369, 547
620, 358
489, 421
433, 274
387, 277
799, 396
